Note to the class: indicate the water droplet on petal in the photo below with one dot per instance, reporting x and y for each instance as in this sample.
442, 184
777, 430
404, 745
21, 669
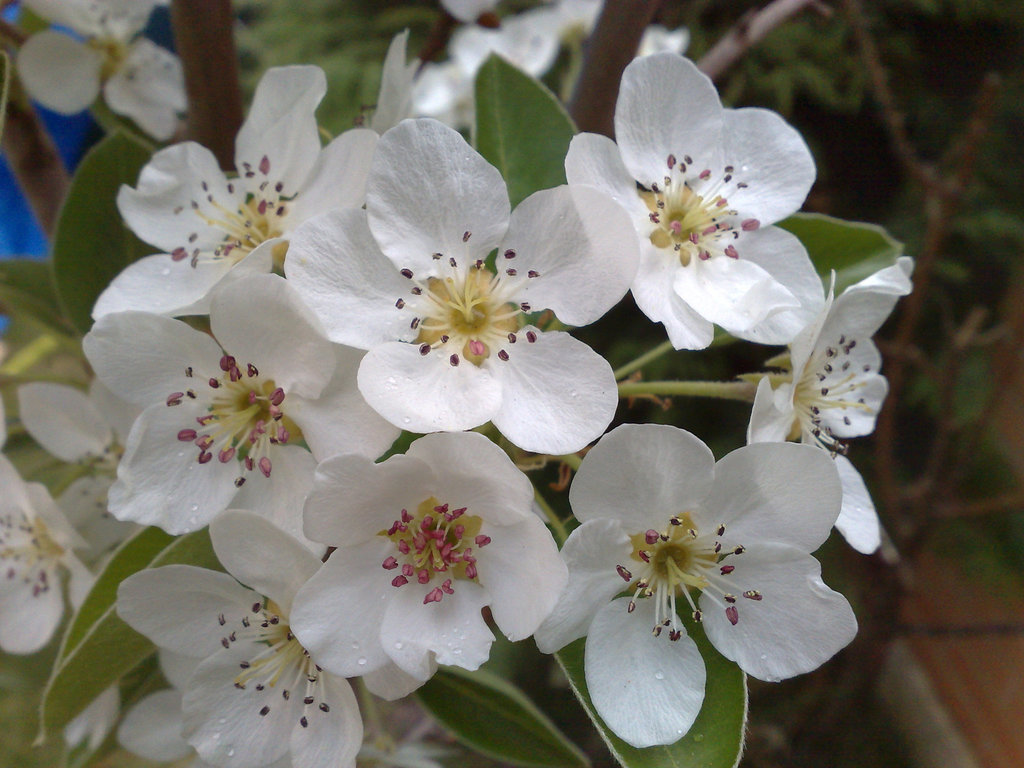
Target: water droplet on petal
398, 645
165, 272
361, 661
355, 646
659, 676
231, 753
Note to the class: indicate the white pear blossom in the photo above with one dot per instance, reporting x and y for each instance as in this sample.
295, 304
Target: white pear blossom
702, 184
444, 91
212, 227
665, 527
256, 697
36, 544
659, 39
138, 79
235, 418
450, 338
87, 429
425, 541
833, 389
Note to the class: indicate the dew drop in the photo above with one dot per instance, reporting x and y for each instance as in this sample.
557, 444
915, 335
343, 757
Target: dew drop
194, 507
165, 272
355, 645
231, 753
659, 676
406, 420
361, 661
398, 645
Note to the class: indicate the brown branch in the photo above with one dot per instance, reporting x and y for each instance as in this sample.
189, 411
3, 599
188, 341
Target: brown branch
12, 34
1007, 502
750, 30
610, 48
206, 45
35, 162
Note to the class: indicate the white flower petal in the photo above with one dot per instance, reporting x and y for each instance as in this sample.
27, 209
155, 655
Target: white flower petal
223, 723
582, 247
152, 728
784, 257
279, 498
772, 158
338, 179
594, 160
148, 87
337, 615
160, 481
557, 394
647, 689
95, 721
776, 492
353, 498
797, 624
428, 191
337, 267
772, 416
656, 297
159, 209
29, 617
666, 106
391, 683
451, 631
733, 293
332, 738
190, 599
160, 285
858, 520
261, 319
523, 576
280, 140
59, 72
468, 10
339, 420
641, 475
394, 100
591, 552
63, 420
142, 357
426, 393
262, 556
471, 471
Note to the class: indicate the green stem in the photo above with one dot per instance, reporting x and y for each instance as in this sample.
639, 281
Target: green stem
726, 390
644, 359
553, 520
371, 715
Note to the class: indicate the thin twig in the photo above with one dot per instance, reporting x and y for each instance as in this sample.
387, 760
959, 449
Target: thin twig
35, 162
610, 48
750, 30
206, 45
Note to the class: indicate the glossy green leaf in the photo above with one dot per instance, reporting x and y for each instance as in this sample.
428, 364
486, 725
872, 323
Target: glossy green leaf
853, 249
98, 648
521, 128
493, 717
716, 738
91, 244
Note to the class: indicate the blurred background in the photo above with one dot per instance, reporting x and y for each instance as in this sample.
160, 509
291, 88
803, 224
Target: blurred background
914, 111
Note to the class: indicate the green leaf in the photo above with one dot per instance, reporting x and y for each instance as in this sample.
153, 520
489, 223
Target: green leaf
853, 249
716, 738
26, 288
92, 244
98, 648
492, 716
5, 84
521, 128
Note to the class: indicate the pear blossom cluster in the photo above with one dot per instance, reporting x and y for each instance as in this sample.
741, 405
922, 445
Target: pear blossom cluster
339, 358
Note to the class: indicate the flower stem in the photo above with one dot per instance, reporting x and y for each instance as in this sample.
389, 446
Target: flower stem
553, 520
644, 359
572, 459
725, 390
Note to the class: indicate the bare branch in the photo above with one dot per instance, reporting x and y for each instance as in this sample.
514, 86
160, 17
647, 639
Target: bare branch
610, 48
35, 162
750, 30
206, 44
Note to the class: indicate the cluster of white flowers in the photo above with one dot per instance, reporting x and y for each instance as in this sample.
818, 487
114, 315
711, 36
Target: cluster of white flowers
530, 40
338, 295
